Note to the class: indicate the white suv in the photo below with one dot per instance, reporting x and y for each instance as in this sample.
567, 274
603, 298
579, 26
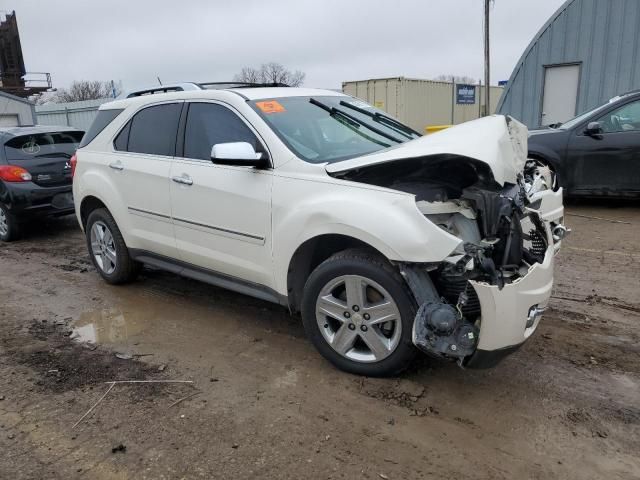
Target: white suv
384, 241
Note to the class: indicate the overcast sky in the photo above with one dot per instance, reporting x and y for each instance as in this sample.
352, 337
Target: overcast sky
332, 41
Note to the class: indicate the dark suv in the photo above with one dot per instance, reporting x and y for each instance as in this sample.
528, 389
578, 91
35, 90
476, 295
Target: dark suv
35, 174
596, 153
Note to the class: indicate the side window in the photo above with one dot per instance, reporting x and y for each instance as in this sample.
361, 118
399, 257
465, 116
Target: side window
103, 118
623, 119
152, 130
121, 141
209, 124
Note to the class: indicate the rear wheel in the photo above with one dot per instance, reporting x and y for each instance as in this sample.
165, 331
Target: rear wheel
358, 313
9, 227
109, 253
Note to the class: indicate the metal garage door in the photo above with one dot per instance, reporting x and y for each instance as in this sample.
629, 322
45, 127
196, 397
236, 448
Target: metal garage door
560, 93
9, 121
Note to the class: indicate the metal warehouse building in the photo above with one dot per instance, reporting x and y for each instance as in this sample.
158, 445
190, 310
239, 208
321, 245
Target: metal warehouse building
587, 53
421, 103
73, 114
15, 111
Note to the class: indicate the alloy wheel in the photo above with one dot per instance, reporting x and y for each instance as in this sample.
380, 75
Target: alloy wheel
358, 318
103, 247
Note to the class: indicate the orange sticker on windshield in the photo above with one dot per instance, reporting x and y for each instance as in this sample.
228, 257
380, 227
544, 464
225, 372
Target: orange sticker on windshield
270, 106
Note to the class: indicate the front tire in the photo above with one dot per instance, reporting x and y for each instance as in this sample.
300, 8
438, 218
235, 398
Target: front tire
9, 227
359, 313
107, 249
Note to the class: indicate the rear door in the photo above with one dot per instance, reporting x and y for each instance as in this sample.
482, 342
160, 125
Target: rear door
222, 214
609, 162
46, 156
139, 167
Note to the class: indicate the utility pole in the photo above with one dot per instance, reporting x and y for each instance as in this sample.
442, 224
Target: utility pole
487, 76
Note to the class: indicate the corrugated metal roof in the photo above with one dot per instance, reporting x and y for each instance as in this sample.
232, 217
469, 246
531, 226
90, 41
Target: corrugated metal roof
15, 98
603, 36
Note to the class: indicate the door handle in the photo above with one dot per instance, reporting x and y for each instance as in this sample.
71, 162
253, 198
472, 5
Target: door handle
116, 165
183, 180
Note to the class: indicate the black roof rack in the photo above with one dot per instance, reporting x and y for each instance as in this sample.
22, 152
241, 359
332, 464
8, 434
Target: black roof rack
174, 87
241, 84
185, 86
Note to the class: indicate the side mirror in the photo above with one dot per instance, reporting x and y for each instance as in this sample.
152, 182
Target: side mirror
241, 154
593, 128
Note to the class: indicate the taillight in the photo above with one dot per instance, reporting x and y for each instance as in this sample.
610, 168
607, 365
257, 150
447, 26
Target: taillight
11, 173
73, 162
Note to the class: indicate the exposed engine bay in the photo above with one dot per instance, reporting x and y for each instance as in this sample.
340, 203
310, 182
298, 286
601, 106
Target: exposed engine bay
502, 235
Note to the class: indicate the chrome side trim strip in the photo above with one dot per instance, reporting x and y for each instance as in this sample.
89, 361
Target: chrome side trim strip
233, 232
189, 222
139, 210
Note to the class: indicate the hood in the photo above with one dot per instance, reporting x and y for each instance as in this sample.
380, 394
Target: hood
544, 131
498, 141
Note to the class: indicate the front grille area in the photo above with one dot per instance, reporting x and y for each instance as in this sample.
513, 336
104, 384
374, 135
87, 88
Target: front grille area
538, 245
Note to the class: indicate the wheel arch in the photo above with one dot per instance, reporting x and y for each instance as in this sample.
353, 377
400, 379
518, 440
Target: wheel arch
312, 253
88, 205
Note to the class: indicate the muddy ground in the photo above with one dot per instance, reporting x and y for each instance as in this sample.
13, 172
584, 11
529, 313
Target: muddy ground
264, 404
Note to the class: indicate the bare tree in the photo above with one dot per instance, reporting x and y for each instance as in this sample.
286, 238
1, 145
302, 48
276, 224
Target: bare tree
249, 75
456, 79
271, 72
86, 90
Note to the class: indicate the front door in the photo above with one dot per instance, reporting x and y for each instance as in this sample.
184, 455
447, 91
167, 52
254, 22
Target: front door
221, 213
609, 161
560, 94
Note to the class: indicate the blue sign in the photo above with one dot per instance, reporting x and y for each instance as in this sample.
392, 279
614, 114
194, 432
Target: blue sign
465, 94
503, 83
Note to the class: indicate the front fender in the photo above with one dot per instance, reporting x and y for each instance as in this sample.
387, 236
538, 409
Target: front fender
387, 220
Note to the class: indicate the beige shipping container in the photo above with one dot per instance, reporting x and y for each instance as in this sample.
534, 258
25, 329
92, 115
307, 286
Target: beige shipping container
420, 103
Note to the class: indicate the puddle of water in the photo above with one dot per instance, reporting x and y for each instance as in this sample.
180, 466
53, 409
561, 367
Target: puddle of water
105, 326
149, 318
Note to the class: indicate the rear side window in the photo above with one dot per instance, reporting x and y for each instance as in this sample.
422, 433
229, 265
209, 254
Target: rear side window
152, 131
104, 118
53, 144
209, 124
121, 141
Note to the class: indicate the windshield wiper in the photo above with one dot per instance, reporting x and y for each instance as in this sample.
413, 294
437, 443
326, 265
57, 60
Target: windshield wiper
389, 121
335, 111
53, 154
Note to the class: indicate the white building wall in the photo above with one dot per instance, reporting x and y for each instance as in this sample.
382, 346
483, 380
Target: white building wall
15, 109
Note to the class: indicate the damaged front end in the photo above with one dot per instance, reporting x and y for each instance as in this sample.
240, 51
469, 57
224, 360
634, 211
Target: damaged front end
486, 298
484, 280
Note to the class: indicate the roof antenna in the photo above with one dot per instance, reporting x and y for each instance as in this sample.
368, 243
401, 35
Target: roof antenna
159, 81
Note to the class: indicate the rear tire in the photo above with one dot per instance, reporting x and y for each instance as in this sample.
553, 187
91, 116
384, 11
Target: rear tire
9, 226
350, 333
107, 249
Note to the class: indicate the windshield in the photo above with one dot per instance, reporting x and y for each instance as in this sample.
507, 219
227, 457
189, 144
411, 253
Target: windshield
54, 144
323, 129
580, 118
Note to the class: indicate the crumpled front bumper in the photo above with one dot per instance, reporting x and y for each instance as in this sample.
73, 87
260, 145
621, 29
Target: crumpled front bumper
510, 315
